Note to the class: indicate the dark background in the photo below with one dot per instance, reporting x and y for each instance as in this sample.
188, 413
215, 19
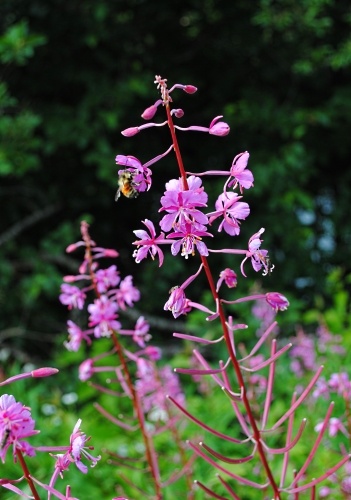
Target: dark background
74, 74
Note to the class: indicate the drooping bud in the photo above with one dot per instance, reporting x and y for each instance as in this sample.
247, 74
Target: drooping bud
178, 113
129, 132
189, 89
277, 301
219, 128
151, 110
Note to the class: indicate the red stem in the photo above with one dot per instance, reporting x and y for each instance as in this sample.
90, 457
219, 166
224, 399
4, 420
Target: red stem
27, 474
255, 430
149, 449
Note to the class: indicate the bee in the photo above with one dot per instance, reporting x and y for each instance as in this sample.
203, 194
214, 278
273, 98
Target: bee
5, 438
126, 185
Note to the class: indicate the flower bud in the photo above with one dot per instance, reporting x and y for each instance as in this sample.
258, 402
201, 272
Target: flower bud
277, 301
149, 112
220, 128
44, 372
129, 132
178, 113
190, 89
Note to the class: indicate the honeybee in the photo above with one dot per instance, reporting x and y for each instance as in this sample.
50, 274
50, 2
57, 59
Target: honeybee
5, 438
126, 185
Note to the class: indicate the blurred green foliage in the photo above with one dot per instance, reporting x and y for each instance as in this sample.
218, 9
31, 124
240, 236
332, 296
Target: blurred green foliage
57, 402
73, 75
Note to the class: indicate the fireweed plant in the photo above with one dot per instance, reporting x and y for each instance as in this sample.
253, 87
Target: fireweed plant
185, 227
137, 379
17, 424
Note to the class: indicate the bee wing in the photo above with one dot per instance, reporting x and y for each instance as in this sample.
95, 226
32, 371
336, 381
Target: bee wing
118, 194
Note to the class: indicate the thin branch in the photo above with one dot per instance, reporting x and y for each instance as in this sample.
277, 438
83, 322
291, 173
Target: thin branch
27, 222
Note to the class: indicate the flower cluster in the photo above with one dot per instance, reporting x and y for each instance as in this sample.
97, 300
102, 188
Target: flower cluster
16, 424
188, 227
112, 294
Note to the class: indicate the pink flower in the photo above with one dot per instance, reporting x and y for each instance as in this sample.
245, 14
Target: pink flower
148, 244
72, 296
340, 383
127, 293
181, 203
78, 450
107, 278
238, 170
334, 426
215, 128
153, 386
16, 423
231, 209
103, 316
86, 370
219, 128
177, 302
76, 336
259, 257
190, 238
153, 353
141, 332
277, 301
141, 173
229, 277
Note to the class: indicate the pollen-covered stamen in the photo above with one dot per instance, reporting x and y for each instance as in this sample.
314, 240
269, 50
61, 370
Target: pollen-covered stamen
188, 245
266, 262
162, 85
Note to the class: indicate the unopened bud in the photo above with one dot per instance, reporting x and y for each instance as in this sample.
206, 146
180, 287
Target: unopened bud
149, 112
44, 372
178, 113
190, 89
129, 132
220, 129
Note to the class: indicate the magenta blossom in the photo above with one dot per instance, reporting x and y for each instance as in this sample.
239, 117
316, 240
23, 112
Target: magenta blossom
103, 316
181, 203
177, 302
127, 293
219, 128
259, 257
76, 337
240, 174
16, 424
231, 209
72, 296
86, 370
277, 301
148, 244
153, 386
190, 238
76, 451
106, 278
335, 425
141, 173
141, 332
216, 128
229, 277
